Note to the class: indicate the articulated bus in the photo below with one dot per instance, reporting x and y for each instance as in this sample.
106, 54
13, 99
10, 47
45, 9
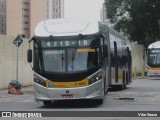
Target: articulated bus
78, 59
153, 59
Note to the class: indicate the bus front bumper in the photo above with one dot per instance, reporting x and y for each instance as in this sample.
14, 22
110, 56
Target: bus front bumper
153, 73
93, 91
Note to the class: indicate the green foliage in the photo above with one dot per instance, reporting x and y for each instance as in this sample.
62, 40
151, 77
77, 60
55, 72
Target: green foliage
138, 19
112, 6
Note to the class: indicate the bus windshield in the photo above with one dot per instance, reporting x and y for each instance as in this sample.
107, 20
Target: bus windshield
66, 58
154, 58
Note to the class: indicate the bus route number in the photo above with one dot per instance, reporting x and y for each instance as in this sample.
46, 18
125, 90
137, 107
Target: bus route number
68, 43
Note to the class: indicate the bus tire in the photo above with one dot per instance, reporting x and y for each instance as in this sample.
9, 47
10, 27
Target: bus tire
127, 81
47, 102
123, 86
124, 80
98, 101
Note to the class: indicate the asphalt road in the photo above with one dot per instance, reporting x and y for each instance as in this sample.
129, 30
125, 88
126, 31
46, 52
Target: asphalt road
141, 95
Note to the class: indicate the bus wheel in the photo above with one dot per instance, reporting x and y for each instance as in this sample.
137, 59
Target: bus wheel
123, 86
127, 81
47, 102
98, 101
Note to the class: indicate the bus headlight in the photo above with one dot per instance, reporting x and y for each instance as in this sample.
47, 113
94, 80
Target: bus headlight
95, 78
40, 81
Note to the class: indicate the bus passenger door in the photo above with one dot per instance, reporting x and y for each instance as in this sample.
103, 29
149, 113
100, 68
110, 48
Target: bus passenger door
104, 48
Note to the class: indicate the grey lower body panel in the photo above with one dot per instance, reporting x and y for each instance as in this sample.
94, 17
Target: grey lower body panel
93, 91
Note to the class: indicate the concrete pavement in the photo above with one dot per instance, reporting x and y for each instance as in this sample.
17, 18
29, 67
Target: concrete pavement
27, 96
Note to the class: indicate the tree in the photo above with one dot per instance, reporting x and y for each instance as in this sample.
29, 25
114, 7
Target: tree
137, 19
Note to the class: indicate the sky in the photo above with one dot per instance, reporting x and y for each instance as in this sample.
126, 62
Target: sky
86, 9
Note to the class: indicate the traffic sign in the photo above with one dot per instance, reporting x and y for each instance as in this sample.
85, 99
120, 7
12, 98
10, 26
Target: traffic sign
18, 41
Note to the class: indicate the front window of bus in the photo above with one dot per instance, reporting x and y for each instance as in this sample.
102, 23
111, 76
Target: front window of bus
67, 55
154, 58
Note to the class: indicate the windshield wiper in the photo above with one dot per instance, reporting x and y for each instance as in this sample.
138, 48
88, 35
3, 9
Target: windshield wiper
61, 56
75, 49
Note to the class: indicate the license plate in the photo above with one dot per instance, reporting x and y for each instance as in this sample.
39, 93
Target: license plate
67, 96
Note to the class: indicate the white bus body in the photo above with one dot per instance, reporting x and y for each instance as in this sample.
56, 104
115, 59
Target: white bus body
153, 59
78, 59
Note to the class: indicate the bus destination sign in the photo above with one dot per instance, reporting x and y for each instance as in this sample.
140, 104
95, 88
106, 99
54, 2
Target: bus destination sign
66, 43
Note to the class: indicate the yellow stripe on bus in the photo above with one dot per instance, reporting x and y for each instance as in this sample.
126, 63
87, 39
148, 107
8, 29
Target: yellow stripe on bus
86, 50
155, 68
82, 83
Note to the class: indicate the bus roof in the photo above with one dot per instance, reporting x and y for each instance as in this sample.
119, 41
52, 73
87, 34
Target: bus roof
116, 33
154, 45
66, 27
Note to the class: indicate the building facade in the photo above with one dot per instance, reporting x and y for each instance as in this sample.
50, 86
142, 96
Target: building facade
38, 12
103, 16
55, 9
21, 16
2, 16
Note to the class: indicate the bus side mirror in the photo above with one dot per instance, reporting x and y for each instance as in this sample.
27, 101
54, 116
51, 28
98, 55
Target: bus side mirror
105, 50
29, 55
